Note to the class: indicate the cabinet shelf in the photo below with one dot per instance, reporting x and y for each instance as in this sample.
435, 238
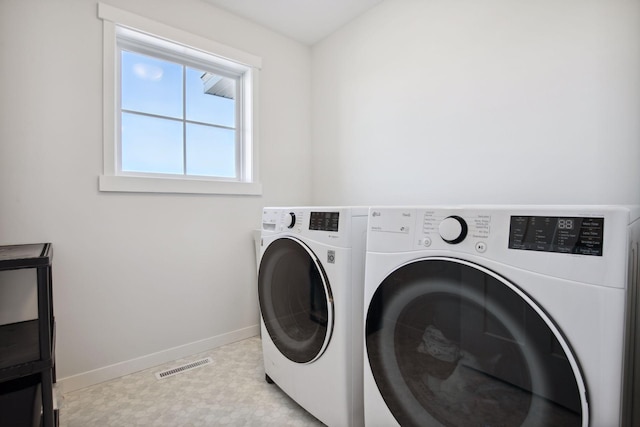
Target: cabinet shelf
20, 350
14, 257
27, 348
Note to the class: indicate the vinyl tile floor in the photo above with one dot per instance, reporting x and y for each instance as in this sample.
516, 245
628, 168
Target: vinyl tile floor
231, 391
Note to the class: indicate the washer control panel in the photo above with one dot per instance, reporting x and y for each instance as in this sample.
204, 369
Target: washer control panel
570, 235
439, 226
397, 228
578, 243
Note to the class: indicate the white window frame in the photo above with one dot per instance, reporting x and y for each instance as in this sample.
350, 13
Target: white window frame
117, 22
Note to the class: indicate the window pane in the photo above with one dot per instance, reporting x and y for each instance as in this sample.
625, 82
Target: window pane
211, 151
151, 85
151, 145
210, 98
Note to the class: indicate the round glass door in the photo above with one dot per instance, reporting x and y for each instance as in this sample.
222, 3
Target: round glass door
295, 300
452, 344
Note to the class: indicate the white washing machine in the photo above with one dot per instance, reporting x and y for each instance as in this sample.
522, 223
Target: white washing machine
310, 288
499, 316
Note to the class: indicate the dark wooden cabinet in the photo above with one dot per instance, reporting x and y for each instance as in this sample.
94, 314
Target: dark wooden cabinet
27, 348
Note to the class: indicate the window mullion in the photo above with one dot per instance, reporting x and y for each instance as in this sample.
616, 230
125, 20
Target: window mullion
239, 119
184, 120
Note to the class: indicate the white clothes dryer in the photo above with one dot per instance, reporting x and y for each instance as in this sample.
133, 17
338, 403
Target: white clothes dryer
310, 288
499, 316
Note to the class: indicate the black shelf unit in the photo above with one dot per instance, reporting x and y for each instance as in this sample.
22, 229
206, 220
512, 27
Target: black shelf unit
27, 348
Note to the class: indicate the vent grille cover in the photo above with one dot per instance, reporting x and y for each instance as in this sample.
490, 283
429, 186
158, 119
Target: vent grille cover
183, 368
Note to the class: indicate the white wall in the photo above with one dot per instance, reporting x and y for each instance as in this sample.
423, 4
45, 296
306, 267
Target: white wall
135, 275
490, 101
417, 101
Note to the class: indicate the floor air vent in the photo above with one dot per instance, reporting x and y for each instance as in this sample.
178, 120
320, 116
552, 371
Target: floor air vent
183, 368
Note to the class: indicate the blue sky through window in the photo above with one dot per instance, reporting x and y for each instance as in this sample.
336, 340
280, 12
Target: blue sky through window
156, 95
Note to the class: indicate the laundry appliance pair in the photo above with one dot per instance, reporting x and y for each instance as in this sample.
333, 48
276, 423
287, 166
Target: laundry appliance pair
450, 316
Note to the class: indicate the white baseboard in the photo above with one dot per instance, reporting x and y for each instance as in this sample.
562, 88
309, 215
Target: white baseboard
86, 379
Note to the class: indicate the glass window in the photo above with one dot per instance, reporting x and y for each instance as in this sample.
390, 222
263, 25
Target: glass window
179, 110
176, 119
151, 86
151, 144
210, 98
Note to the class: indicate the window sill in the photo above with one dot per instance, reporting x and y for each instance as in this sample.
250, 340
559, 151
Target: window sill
137, 184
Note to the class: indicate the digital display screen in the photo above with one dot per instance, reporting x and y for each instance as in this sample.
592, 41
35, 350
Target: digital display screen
324, 221
571, 235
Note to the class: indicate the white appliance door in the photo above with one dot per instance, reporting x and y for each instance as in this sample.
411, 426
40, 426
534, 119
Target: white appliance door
295, 300
451, 343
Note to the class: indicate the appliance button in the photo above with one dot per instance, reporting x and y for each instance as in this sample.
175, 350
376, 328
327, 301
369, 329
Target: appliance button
453, 229
481, 247
426, 242
292, 220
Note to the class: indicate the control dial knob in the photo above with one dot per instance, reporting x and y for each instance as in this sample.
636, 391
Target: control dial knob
292, 220
453, 229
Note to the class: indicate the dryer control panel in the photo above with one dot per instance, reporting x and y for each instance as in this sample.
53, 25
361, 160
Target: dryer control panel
331, 225
297, 220
324, 221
